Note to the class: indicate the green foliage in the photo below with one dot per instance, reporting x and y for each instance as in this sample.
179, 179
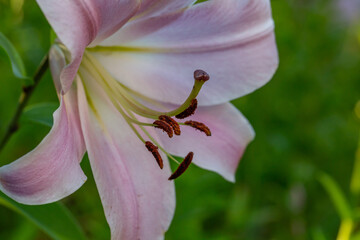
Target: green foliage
355, 180
53, 36
39, 113
15, 59
54, 219
337, 196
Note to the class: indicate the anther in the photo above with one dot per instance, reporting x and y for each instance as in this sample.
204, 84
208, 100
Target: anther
175, 126
189, 111
201, 75
183, 166
199, 126
165, 127
154, 150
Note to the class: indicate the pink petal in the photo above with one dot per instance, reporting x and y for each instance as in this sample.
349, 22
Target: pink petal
230, 39
150, 8
78, 23
221, 152
51, 171
138, 199
57, 63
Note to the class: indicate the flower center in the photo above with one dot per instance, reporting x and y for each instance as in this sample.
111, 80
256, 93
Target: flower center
131, 105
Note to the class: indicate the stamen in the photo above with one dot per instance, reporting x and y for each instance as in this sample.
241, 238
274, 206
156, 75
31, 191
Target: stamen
154, 150
165, 127
129, 103
189, 111
199, 126
183, 166
201, 75
153, 140
175, 126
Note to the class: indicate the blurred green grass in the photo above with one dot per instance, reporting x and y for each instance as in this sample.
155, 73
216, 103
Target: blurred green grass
304, 120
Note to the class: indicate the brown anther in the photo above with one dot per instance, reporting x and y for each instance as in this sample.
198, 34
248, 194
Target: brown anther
183, 166
175, 126
154, 150
201, 75
189, 111
165, 127
199, 126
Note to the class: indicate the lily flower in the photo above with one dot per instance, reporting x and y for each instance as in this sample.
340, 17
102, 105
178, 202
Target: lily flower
123, 72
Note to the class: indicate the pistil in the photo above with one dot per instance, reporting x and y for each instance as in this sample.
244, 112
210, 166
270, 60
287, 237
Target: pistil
127, 103
137, 107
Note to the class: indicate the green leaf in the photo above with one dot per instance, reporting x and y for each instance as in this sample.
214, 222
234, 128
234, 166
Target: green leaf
200, 1
24, 231
337, 196
40, 113
53, 36
318, 234
355, 179
356, 236
54, 219
17, 64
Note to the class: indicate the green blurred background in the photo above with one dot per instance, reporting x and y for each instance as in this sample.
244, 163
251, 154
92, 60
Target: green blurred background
305, 119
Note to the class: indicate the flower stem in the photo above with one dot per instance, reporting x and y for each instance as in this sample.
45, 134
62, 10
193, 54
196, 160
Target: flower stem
23, 100
345, 230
